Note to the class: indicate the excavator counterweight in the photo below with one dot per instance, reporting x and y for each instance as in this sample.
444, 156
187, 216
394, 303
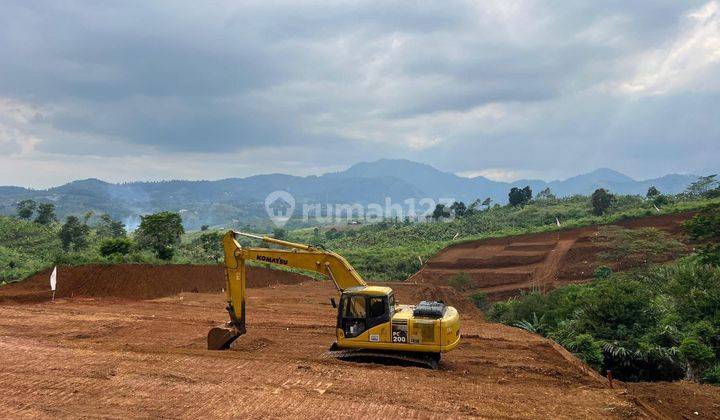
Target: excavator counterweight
368, 320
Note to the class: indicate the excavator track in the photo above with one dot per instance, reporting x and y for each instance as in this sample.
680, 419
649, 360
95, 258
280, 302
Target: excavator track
426, 360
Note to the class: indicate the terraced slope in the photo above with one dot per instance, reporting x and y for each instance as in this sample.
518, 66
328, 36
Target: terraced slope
503, 267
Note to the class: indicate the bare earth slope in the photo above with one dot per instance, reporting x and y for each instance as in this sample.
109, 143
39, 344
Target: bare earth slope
504, 267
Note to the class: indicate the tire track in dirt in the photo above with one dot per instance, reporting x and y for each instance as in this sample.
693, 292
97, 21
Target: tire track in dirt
154, 365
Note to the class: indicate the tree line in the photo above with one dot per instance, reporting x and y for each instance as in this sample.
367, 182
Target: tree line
159, 232
601, 200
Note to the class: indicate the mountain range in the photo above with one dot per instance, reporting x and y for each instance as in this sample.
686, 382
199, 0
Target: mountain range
241, 201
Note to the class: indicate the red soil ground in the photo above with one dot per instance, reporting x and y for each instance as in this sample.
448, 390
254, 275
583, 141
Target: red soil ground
504, 267
135, 281
116, 355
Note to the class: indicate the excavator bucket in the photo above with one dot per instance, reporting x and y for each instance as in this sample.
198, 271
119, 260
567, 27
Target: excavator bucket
221, 337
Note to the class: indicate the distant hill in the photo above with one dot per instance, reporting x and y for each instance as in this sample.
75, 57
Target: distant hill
240, 201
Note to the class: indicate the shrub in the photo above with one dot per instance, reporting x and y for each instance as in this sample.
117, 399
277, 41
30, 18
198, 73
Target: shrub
459, 281
705, 227
500, 311
480, 300
712, 375
618, 309
165, 253
116, 246
602, 272
587, 349
705, 331
695, 288
698, 355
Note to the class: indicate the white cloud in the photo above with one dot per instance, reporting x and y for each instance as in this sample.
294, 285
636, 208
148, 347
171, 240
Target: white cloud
18, 112
16, 133
493, 174
690, 62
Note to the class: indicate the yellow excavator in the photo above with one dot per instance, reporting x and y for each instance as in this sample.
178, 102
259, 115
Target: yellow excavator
370, 324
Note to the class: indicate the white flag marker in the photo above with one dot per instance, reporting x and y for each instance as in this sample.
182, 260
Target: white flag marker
557, 221
53, 282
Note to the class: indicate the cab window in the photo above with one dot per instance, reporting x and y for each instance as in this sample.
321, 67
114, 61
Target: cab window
356, 307
377, 307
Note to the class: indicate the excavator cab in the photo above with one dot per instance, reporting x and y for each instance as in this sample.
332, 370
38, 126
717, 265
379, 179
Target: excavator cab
359, 312
368, 317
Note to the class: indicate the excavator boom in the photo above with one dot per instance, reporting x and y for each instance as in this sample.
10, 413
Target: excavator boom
305, 257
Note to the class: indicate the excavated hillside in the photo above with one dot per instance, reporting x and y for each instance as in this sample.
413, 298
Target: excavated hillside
505, 267
129, 341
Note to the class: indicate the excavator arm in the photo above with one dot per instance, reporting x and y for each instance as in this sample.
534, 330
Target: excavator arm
300, 256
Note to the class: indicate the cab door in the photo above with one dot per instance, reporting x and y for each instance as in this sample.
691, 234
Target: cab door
359, 313
352, 317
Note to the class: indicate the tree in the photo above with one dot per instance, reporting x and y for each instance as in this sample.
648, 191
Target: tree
458, 208
116, 246
46, 214
74, 234
25, 209
546, 194
705, 227
161, 233
109, 228
520, 197
203, 228
487, 202
701, 186
440, 212
601, 201
211, 245
652, 192
473, 207
515, 197
527, 194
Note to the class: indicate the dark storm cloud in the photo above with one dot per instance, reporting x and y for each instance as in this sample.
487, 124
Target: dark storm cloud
352, 80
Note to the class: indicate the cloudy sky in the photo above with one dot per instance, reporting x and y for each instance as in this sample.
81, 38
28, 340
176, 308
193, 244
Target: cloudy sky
506, 89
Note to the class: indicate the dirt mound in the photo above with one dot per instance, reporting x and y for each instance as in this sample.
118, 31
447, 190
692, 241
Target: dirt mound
136, 281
